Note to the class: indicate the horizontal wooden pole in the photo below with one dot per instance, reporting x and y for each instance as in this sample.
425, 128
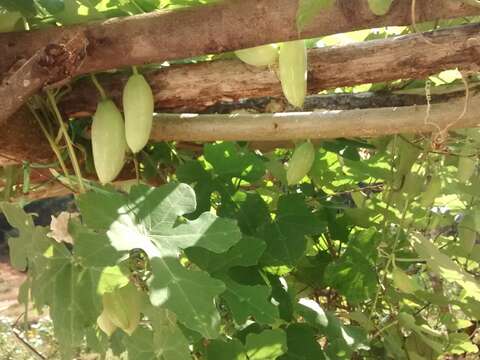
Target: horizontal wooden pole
24, 141
316, 124
195, 87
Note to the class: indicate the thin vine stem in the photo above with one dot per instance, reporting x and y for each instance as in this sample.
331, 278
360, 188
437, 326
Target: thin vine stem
71, 151
51, 142
99, 87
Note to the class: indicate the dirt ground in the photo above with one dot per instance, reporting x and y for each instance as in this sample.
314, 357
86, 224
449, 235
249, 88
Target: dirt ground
10, 281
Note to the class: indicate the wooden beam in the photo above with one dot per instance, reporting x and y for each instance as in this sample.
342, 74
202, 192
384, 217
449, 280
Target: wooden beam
220, 27
195, 87
317, 124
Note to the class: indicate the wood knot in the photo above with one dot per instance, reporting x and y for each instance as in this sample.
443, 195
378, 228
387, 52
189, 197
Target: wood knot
61, 60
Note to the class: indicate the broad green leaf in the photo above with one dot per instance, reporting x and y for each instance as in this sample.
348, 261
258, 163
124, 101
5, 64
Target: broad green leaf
228, 160
354, 274
149, 219
93, 248
31, 242
342, 339
446, 268
222, 350
246, 252
302, 344
140, 345
188, 294
267, 345
245, 301
285, 237
168, 339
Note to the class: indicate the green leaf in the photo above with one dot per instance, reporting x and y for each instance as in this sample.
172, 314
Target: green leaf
343, 340
140, 345
443, 266
246, 252
222, 350
245, 301
267, 345
285, 237
168, 339
148, 219
354, 274
302, 344
188, 294
228, 160
93, 248
309, 9
31, 242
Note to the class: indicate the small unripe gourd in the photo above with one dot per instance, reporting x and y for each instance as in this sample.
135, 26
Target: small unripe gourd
293, 71
300, 163
138, 106
108, 141
259, 56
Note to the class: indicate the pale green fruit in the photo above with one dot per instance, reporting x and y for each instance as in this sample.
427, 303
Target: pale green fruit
300, 163
293, 71
259, 56
138, 106
108, 141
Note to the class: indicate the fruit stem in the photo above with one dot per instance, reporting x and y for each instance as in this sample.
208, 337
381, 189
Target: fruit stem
137, 170
135, 70
99, 87
71, 151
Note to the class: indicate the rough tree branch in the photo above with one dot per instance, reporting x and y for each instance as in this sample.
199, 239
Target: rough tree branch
194, 87
228, 25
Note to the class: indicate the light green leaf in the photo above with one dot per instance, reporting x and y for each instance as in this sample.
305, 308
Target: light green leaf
246, 252
267, 345
31, 242
168, 339
140, 345
245, 301
189, 294
147, 220
443, 266
221, 350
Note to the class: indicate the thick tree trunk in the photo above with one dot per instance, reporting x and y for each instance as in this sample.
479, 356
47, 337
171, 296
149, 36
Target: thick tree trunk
194, 87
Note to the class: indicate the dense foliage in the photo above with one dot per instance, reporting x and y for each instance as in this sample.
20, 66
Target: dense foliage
368, 250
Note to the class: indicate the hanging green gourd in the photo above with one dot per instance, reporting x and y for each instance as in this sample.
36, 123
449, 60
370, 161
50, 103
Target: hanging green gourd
138, 107
300, 163
293, 71
108, 139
